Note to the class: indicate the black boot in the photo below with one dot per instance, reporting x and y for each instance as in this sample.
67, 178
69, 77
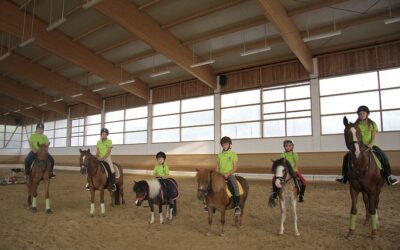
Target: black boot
302, 190
236, 203
112, 182
345, 168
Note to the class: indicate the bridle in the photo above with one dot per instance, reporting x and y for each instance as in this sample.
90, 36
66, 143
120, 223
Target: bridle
205, 191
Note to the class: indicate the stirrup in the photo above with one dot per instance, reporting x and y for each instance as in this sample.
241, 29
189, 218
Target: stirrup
301, 198
87, 187
113, 187
238, 211
52, 175
205, 209
341, 180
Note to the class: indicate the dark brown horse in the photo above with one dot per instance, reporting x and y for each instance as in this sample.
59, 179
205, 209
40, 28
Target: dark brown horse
288, 191
160, 192
211, 187
364, 176
97, 179
40, 171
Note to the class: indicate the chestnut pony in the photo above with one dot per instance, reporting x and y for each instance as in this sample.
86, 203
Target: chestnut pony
40, 172
364, 176
211, 187
97, 179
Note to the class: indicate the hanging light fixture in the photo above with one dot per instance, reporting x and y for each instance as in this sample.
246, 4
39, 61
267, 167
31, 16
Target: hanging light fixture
58, 99
124, 82
90, 3
31, 39
160, 73
247, 52
391, 19
8, 52
59, 22
202, 63
323, 35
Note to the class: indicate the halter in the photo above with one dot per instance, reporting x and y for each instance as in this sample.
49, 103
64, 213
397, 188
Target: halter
141, 198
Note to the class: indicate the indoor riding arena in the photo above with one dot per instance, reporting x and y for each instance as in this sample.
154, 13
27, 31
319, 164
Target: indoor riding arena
108, 107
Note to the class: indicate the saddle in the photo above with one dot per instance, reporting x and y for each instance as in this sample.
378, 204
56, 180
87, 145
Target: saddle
108, 170
229, 188
169, 189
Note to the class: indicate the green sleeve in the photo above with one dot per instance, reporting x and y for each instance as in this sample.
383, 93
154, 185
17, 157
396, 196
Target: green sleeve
166, 170
235, 158
109, 144
46, 140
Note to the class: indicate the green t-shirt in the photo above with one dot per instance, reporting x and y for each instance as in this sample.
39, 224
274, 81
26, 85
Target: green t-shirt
38, 139
225, 161
161, 170
292, 158
366, 132
103, 147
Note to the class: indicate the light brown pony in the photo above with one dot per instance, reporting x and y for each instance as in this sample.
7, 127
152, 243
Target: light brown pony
288, 191
364, 176
211, 187
97, 179
40, 171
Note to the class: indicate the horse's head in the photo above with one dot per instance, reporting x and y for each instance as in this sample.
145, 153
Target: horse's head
141, 190
282, 170
203, 178
352, 137
42, 152
84, 160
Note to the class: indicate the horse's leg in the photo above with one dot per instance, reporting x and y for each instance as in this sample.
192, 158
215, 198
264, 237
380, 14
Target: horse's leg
353, 212
365, 199
372, 212
112, 197
160, 213
102, 205
34, 186
210, 214
283, 214
223, 222
151, 205
29, 189
294, 207
92, 208
47, 195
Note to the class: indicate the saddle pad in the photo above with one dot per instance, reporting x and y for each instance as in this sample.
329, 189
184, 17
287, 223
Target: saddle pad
169, 190
105, 168
378, 162
228, 192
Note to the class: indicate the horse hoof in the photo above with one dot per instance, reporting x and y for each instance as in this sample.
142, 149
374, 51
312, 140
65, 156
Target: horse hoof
208, 234
297, 234
349, 234
222, 234
374, 234
280, 233
34, 209
91, 215
123, 202
49, 211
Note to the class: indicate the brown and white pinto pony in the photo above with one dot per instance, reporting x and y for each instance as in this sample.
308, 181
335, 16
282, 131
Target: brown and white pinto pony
211, 187
97, 179
288, 191
364, 176
40, 172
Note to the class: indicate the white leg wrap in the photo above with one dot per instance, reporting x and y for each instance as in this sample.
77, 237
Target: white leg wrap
170, 213
92, 208
33, 201
47, 204
103, 208
161, 218
151, 218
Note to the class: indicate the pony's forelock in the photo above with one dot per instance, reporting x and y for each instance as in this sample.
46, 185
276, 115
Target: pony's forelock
154, 188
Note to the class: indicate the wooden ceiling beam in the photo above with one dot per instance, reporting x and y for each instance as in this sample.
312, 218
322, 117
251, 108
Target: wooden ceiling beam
18, 65
276, 13
26, 94
11, 21
149, 4
12, 105
127, 15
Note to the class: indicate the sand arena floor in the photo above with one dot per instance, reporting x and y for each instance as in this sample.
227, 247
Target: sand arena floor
323, 220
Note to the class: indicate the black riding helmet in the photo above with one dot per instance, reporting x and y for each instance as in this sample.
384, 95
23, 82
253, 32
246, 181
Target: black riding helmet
363, 108
40, 125
226, 139
104, 130
287, 142
161, 155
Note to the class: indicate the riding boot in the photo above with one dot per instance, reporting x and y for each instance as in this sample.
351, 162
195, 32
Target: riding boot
345, 168
112, 182
302, 190
387, 171
237, 211
52, 174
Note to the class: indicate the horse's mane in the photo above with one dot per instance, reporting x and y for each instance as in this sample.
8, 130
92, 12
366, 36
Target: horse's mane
286, 164
217, 181
154, 188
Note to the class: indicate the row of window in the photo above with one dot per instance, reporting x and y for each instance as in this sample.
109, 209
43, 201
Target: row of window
259, 113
